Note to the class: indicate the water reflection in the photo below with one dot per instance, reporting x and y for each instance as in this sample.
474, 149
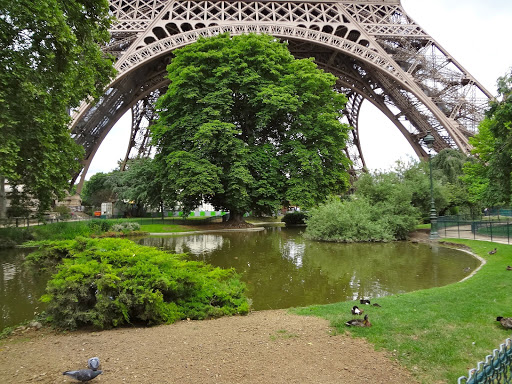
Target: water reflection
20, 289
283, 270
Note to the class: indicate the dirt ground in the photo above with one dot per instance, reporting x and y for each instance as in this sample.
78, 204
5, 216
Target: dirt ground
263, 347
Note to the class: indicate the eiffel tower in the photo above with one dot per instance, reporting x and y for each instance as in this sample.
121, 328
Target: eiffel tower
376, 51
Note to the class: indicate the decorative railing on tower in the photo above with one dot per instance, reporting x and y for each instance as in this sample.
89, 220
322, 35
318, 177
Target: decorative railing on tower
377, 52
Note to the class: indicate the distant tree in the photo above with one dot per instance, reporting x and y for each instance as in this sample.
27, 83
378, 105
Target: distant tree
141, 183
247, 127
98, 189
489, 177
50, 60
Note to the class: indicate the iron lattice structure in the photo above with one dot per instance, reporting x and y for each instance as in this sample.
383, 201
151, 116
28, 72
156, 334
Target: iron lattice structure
376, 51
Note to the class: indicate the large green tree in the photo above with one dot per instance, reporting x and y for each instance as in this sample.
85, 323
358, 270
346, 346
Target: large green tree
247, 127
50, 60
490, 176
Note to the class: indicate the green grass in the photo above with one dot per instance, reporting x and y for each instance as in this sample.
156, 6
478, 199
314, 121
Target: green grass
269, 219
163, 228
439, 333
423, 226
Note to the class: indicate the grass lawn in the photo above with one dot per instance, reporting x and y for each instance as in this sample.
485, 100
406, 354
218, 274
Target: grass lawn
439, 333
423, 226
163, 228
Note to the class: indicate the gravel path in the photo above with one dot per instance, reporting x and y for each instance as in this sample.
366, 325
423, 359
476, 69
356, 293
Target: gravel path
263, 347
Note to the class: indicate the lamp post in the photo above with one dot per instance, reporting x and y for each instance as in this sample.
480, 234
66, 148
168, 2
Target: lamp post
429, 141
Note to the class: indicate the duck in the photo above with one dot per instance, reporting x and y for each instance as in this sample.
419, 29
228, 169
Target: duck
359, 322
509, 268
493, 251
506, 322
376, 305
356, 311
364, 301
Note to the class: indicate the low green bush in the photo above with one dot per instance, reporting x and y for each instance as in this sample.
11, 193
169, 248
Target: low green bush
294, 218
110, 282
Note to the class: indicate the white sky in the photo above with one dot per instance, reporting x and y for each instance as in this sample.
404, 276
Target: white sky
475, 32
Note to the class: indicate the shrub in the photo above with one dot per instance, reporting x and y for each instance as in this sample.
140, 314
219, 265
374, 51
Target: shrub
63, 211
110, 282
294, 218
347, 221
125, 227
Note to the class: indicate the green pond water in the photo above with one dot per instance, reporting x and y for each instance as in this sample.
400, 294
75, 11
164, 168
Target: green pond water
282, 269
20, 288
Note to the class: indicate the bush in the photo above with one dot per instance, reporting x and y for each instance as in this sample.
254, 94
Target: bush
126, 227
347, 221
63, 211
110, 282
294, 218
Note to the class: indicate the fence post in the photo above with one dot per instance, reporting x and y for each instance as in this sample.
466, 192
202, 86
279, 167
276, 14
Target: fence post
458, 228
491, 229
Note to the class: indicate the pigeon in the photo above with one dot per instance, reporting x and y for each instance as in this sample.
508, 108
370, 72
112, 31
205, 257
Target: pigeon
93, 363
83, 374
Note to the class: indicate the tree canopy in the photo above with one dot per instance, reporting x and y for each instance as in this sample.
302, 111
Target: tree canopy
247, 127
50, 60
489, 177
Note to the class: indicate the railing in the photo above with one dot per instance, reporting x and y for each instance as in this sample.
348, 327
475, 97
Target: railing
495, 370
493, 228
179, 220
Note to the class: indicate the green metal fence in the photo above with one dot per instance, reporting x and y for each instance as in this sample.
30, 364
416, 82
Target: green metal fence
495, 370
485, 228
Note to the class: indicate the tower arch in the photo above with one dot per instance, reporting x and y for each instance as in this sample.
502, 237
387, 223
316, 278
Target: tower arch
376, 51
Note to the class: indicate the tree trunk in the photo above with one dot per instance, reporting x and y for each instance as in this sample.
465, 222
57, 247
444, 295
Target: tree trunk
236, 219
3, 199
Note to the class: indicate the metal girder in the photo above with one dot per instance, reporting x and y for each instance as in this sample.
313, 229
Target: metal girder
375, 49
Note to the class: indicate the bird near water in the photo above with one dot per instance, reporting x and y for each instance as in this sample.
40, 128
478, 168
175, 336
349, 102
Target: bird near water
356, 311
364, 301
506, 322
493, 251
359, 322
509, 268
83, 375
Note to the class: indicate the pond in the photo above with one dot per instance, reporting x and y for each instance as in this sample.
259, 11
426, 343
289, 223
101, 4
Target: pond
20, 288
283, 270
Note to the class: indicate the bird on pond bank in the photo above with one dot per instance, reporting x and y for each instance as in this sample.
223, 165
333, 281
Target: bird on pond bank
509, 268
364, 301
506, 322
359, 322
493, 251
83, 374
376, 305
356, 311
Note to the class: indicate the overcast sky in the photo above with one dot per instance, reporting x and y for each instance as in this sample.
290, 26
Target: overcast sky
475, 32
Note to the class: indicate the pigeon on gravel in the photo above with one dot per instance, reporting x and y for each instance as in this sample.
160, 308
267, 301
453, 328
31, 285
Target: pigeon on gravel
93, 363
83, 374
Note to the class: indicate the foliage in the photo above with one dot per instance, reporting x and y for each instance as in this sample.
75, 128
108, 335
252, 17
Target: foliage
126, 226
50, 60
110, 282
98, 189
489, 177
294, 218
379, 210
63, 211
415, 326
352, 220
247, 127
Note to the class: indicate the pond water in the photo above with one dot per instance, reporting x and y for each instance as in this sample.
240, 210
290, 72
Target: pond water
20, 288
282, 269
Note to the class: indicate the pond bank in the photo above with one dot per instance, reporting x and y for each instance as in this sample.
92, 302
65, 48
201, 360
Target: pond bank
265, 346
